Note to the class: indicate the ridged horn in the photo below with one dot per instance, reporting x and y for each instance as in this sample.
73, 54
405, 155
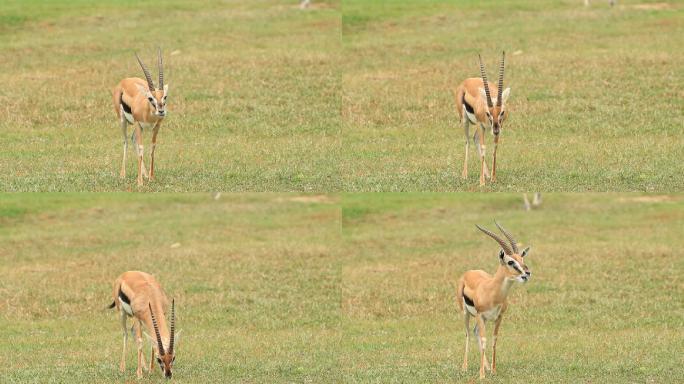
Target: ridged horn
173, 326
502, 243
514, 244
150, 84
486, 84
156, 332
501, 77
161, 71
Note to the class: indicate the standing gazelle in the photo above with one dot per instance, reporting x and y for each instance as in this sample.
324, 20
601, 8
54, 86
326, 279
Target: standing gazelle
138, 101
139, 295
474, 105
483, 296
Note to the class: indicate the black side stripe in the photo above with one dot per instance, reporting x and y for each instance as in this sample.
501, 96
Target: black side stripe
468, 107
124, 298
468, 301
125, 106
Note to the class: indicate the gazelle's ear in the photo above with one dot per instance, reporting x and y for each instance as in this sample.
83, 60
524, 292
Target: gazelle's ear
483, 94
505, 94
166, 89
502, 254
143, 90
525, 252
176, 337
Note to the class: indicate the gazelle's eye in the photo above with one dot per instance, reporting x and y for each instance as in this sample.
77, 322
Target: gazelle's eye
150, 99
510, 262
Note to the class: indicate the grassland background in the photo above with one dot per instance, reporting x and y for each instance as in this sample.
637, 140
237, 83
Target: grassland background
254, 94
597, 97
604, 304
255, 280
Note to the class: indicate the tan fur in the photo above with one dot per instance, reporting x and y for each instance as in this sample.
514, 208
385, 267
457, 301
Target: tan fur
488, 293
143, 291
144, 114
469, 90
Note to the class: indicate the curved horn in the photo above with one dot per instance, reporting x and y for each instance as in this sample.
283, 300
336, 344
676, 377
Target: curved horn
514, 244
161, 71
501, 77
173, 326
502, 243
150, 84
486, 84
156, 332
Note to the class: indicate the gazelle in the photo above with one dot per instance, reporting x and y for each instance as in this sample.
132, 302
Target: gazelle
139, 295
474, 105
483, 296
138, 101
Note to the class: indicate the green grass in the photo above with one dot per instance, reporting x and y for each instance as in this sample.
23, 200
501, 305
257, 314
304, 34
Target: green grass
596, 101
255, 279
604, 303
254, 94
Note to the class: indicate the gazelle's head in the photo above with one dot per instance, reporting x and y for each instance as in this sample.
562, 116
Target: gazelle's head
512, 260
496, 109
155, 96
165, 357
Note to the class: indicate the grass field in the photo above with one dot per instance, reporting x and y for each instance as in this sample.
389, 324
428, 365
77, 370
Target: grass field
255, 279
604, 304
254, 94
597, 97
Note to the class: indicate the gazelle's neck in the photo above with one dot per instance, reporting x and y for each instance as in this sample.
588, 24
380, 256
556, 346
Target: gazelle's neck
504, 283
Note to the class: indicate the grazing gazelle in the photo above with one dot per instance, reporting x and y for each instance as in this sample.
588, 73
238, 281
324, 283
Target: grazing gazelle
138, 101
475, 106
483, 296
139, 295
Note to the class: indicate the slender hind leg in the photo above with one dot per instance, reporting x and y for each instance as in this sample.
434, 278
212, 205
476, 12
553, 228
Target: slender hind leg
466, 319
122, 365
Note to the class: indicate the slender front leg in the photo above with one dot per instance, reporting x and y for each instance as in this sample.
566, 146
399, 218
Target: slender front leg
467, 339
482, 148
481, 335
496, 332
496, 144
155, 130
139, 341
466, 129
141, 151
124, 130
122, 365
151, 358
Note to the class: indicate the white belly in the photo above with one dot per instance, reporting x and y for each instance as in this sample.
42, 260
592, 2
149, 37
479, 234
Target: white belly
127, 308
492, 314
470, 309
128, 116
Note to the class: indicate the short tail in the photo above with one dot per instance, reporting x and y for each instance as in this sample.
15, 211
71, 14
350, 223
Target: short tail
112, 305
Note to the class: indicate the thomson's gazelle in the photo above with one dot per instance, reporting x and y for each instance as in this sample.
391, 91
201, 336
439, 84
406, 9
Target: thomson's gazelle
483, 296
139, 295
138, 101
475, 105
